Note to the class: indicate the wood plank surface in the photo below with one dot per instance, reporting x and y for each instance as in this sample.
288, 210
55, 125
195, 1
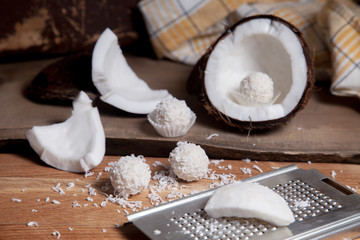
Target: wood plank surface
327, 130
26, 178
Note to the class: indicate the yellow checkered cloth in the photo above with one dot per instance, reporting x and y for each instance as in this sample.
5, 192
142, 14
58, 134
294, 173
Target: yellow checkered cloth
182, 30
340, 21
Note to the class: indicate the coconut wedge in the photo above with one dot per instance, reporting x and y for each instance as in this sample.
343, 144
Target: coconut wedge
76, 145
249, 200
117, 83
258, 46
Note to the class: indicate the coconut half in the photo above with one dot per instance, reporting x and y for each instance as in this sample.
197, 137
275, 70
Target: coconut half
254, 48
117, 83
249, 200
76, 145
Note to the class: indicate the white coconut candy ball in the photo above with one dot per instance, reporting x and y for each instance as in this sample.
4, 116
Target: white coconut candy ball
189, 161
258, 87
172, 111
130, 175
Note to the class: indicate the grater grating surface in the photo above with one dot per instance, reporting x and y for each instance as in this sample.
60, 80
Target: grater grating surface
304, 200
199, 225
321, 206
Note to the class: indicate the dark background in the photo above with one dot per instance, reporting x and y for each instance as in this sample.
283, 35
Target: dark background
33, 29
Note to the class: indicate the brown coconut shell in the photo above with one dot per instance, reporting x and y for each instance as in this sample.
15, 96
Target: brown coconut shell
60, 82
196, 81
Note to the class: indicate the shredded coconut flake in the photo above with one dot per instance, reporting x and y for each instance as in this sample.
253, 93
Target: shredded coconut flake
55, 201
75, 204
16, 200
176, 194
246, 160
246, 170
223, 178
98, 176
216, 162
155, 198
301, 204
89, 199
212, 135
70, 185
165, 181
58, 189
157, 232
92, 191
257, 168
107, 169
123, 202
333, 174
158, 163
57, 234
88, 174
32, 224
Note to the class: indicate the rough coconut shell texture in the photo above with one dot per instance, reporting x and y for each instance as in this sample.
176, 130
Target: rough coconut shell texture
196, 81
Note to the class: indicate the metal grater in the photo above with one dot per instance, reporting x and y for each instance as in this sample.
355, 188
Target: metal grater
321, 207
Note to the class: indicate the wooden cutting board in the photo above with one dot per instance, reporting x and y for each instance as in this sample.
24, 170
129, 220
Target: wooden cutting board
26, 178
327, 130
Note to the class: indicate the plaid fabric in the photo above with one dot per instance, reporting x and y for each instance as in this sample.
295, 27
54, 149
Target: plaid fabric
182, 30
340, 21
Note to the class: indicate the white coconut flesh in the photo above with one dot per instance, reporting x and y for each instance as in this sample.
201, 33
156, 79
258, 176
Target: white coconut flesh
249, 200
76, 145
117, 83
257, 46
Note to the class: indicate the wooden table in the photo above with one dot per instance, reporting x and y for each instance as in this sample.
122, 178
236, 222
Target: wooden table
26, 178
